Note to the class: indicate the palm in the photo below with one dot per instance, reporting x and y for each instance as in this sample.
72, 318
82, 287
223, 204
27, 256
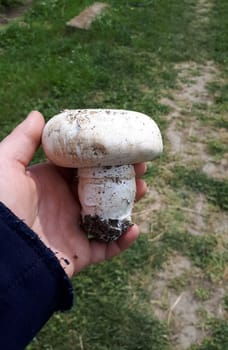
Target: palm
58, 220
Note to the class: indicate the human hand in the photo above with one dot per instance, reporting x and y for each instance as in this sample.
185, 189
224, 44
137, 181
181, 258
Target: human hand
44, 197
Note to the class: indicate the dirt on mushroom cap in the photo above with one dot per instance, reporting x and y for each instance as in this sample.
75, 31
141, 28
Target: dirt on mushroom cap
81, 138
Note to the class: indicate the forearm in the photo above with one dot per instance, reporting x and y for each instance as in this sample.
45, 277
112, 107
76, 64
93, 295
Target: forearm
32, 285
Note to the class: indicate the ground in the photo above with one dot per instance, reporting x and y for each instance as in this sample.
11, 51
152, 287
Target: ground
14, 13
180, 295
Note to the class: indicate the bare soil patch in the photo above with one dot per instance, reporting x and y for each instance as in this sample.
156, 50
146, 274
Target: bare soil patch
202, 218
174, 300
9, 15
187, 136
144, 210
202, 10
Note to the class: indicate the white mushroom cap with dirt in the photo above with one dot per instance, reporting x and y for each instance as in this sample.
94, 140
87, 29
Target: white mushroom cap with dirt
103, 145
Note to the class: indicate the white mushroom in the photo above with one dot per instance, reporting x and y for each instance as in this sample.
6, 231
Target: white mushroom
103, 144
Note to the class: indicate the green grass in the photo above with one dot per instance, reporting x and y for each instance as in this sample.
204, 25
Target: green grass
215, 190
217, 147
126, 60
218, 339
111, 61
203, 251
202, 293
108, 314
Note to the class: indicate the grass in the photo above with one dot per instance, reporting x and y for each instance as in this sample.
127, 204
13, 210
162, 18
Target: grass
202, 293
127, 60
218, 148
104, 292
219, 336
202, 250
215, 190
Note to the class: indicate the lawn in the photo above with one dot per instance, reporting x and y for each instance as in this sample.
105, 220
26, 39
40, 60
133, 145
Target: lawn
168, 59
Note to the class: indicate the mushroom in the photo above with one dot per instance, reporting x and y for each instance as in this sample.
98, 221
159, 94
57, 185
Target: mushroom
103, 144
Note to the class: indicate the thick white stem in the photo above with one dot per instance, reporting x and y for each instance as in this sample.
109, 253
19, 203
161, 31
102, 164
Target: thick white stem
107, 196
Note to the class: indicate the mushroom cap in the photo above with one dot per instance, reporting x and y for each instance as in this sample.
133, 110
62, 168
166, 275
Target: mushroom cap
100, 137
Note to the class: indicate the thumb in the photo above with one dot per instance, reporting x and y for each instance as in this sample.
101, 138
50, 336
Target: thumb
24, 140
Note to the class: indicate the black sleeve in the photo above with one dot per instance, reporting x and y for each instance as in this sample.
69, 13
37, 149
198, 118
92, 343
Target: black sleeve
33, 284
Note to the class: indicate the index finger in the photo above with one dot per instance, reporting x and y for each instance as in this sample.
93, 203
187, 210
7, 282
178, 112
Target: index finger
140, 169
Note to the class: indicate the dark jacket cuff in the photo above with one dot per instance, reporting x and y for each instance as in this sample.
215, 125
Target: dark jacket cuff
33, 284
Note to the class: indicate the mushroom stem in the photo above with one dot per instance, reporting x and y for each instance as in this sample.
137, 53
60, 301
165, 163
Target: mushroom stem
107, 195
